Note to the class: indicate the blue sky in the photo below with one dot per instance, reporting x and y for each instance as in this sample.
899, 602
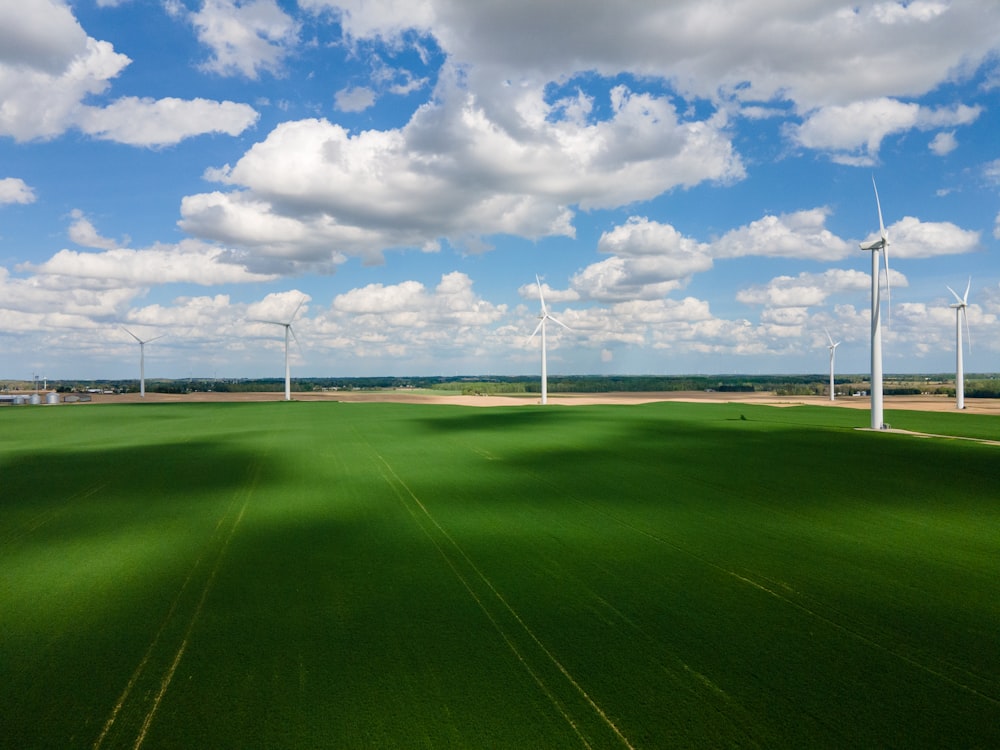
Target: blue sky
690, 180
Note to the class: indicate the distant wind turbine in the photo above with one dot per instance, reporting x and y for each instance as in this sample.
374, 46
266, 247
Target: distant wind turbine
288, 332
879, 245
961, 312
142, 358
544, 316
833, 352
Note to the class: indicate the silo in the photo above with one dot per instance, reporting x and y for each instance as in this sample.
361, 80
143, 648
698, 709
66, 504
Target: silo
35, 398
52, 397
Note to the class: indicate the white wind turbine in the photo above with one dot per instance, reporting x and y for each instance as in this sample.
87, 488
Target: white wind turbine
879, 245
288, 332
833, 352
544, 316
142, 358
961, 312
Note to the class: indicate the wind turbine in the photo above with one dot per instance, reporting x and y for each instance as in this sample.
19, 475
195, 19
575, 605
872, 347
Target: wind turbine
142, 358
288, 332
544, 316
833, 351
881, 245
960, 311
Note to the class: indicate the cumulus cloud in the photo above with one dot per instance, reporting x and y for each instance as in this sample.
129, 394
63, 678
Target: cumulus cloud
15, 190
354, 99
49, 66
943, 143
453, 173
162, 122
802, 234
822, 54
410, 303
244, 36
807, 289
190, 261
82, 232
35, 304
911, 238
854, 132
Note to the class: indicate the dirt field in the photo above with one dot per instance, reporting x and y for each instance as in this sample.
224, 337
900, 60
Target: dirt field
925, 403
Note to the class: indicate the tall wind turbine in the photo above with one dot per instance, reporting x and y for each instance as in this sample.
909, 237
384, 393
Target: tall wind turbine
833, 351
288, 332
881, 245
960, 312
142, 358
544, 316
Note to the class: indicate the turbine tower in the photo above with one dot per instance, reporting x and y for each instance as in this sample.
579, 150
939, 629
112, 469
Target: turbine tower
288, 332
142, 359
881, 245
833, 351
960, 312
544, 316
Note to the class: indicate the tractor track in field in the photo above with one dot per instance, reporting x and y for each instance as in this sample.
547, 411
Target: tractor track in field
43, 517
444, 542
144, 692
846, 629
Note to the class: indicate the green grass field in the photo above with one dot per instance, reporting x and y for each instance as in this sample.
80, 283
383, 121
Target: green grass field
304, 575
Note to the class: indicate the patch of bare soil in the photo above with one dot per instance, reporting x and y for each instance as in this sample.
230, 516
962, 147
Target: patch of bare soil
403, 395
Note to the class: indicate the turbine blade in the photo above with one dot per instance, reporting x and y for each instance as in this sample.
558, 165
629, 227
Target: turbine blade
296, 312
965, 298
968, 333
828, 336
878, 204
131, 334
959, 299
537, 329
888, 286
559, 322
541, 297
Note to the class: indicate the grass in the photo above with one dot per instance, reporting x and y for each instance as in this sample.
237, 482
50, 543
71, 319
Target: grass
378, 575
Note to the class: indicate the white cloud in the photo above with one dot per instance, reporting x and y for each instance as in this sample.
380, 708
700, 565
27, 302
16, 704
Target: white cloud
42, 35
410, 303
383, 18
33, 303
245, 36
649, 260
453, 173
911, 238
802, 234
943, 143
354, 99
82, 232
991, 170
49, 67
854, 132
190, 261
806, 289
15, 190
42, 103
163, 122
810, 52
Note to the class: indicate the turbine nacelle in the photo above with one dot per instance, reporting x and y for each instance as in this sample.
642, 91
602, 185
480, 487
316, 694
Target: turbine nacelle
960, 306
881, 244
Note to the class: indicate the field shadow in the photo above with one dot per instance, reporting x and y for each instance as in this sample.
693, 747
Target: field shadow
149, 473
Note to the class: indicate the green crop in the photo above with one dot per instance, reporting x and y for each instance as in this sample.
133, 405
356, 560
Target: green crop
382, 575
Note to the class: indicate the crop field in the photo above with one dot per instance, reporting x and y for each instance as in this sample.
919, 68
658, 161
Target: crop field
306, 575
